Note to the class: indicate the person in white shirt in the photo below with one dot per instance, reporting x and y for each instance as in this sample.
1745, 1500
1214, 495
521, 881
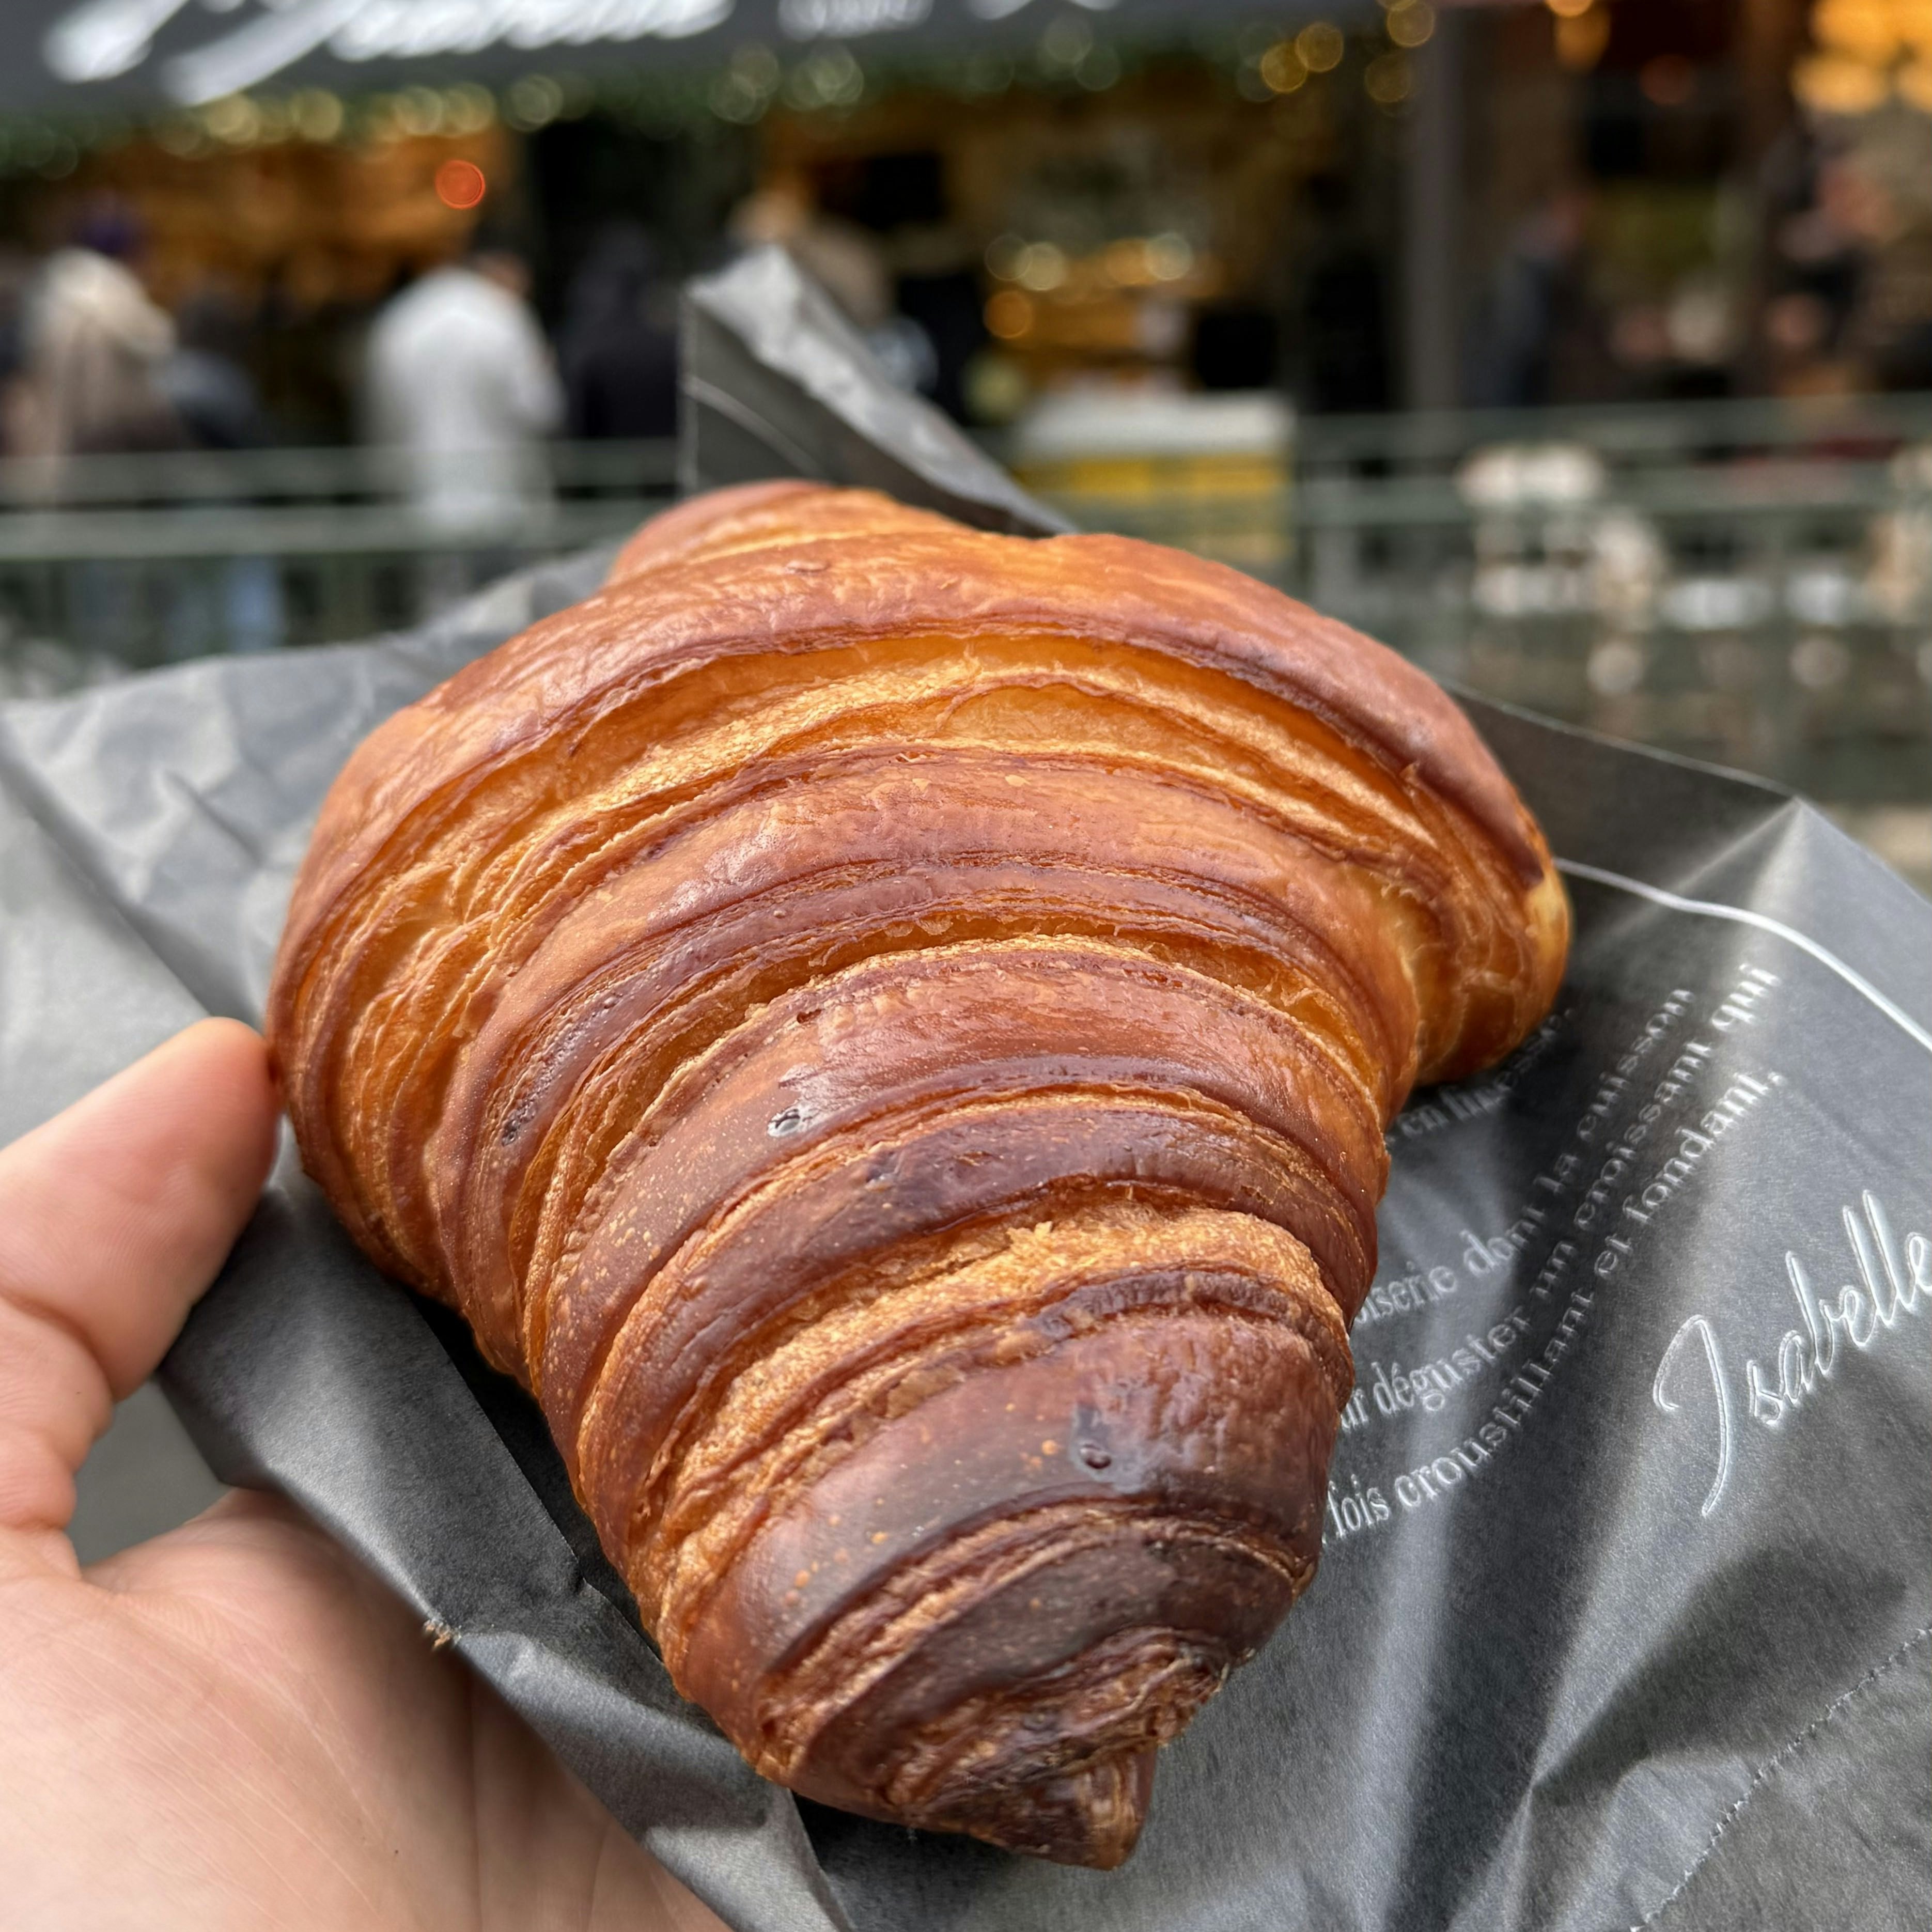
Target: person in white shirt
461, 382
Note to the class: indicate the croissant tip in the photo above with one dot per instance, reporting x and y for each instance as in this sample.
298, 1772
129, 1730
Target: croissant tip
1092, 1816
1107, 1803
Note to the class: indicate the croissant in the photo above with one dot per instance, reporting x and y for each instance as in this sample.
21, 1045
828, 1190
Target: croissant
887, 1031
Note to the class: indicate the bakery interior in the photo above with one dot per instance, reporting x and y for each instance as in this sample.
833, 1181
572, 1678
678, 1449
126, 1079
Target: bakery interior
1581, 349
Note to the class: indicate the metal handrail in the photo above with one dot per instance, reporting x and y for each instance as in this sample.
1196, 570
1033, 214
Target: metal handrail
1423, 441
1672, 430
1826, 457
350, 472
205, 532
1419, 502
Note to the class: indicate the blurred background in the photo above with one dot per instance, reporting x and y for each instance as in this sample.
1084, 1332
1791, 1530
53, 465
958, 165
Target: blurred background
1580, 349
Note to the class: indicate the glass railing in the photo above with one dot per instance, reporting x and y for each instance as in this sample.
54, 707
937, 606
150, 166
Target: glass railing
1750, 583
113, 562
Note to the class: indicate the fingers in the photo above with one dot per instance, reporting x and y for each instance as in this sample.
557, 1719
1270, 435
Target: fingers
114, 1217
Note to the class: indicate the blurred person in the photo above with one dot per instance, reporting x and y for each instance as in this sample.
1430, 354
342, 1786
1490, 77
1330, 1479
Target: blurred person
1889, 331
1536, 315
618, 347
93, 345
1849, 286
1800, 331
1819, 257
206, 380
18, 271
1343, 324
948, 309
208, 384
850, 266
461, 381
1819, 243
846, 262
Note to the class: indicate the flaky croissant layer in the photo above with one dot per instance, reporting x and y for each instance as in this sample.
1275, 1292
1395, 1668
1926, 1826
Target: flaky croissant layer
887, 1031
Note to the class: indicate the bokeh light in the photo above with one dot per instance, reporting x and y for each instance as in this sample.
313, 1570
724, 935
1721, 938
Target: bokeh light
1009, 314
1320, 46
459, 183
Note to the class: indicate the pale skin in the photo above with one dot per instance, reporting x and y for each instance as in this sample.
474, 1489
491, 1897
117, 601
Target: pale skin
234, 1725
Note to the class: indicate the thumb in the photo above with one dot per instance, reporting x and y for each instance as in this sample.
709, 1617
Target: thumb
114, 1217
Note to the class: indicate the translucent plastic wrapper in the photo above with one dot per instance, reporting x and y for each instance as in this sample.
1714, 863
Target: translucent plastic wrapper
1622, 1616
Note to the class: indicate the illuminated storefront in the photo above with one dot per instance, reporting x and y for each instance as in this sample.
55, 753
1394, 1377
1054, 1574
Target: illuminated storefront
1362, 206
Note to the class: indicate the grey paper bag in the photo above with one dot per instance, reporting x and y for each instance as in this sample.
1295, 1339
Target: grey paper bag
1623, 1612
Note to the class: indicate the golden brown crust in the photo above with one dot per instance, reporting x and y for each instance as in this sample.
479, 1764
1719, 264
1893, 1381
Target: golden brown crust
887, 1030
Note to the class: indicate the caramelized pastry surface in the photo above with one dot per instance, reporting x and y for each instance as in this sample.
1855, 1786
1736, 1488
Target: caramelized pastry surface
887, 1031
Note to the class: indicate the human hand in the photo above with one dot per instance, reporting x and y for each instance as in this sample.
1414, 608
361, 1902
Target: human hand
234, 1724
